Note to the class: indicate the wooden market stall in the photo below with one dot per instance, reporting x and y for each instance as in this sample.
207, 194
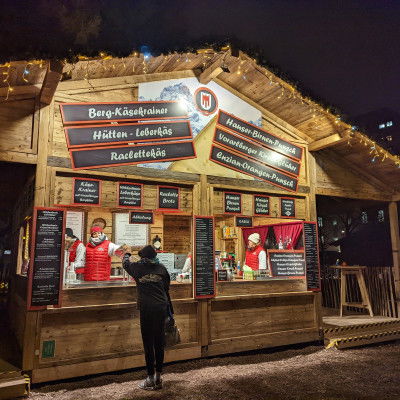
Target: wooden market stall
79, 132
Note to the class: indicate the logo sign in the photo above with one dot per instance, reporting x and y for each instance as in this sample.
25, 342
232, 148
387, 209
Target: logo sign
140, 217
130, 194
130, 111
168, 198
86, 191
244, 222
96, 157
259, 135
288, 207
97, 135
232, 203
259, 153
261, 204
252, 168
205, 100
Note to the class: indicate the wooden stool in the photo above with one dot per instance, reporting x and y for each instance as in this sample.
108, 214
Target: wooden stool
357, 271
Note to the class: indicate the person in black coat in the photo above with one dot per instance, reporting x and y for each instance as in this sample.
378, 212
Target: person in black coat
152, 280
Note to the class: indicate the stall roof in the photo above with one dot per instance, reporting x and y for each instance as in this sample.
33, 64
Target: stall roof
324, 131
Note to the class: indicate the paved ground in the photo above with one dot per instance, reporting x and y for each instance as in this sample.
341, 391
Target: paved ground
308, 372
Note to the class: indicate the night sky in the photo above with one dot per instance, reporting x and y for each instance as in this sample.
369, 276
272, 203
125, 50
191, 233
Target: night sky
345, 53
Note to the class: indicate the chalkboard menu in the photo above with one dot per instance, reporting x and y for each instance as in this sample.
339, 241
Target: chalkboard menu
168, 198
222, 275
204, 275
312, 256
288, 209
129, 111
86, 191
130, 194
261, 205
140, 217
45, 276
244, 221
286, 263
232, 202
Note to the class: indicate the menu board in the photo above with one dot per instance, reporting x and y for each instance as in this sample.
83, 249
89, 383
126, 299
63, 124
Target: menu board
86, 191
261, 205
135, 235
168, 198
232, 202
222, 275
130, 194
311, 256
288, 209
286, 263
45, 275
244, 221
204, 275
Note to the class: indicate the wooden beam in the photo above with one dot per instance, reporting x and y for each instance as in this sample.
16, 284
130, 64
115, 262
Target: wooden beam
329, 141
50, 82
19, 92
211, 72
395, 238
13, 156
371, 179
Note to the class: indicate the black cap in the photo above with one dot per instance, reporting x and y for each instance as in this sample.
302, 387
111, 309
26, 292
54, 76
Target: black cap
148, 252
69, 233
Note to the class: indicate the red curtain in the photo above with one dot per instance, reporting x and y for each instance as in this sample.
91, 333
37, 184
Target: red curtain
288, 231
262, 230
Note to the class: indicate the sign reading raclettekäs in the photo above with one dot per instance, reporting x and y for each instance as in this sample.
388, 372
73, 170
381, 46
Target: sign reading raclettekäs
256, 152
97, 135
129, 111
259, 135
96, 157
252, 168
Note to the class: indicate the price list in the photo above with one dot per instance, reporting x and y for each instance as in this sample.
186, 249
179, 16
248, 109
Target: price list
311, 255
47, 259
204, 257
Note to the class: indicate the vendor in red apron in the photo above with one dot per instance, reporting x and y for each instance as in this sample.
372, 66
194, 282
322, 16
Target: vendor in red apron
256, 257
76, 252
99, 251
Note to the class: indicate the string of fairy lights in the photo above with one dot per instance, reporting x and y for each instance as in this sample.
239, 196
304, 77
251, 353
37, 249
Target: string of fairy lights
245, 64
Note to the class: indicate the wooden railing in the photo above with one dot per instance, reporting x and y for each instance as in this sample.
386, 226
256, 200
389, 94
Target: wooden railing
380, 285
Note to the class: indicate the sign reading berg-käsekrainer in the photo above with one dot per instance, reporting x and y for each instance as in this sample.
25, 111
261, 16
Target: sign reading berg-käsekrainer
129, 111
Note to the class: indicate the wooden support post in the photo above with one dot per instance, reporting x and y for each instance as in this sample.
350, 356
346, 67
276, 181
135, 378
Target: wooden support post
395, 237
50, 82
311, 198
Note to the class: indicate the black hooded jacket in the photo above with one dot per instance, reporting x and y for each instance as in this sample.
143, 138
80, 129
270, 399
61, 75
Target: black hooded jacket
152, 281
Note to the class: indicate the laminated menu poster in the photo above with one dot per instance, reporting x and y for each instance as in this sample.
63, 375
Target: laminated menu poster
45, 277
287, 263
135, 235
204, 272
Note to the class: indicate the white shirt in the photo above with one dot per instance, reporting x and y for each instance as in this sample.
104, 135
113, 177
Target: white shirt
80, 256
262, 260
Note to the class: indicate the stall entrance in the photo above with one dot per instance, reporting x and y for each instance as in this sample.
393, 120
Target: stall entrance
16, 200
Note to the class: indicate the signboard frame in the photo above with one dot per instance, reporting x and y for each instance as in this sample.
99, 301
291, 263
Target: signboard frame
269, 205
274, 251
241, 206
144, 212
281, 208
244, 216
132, 184
85, 204
209, 296
138, 118
158, 199
32, 258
